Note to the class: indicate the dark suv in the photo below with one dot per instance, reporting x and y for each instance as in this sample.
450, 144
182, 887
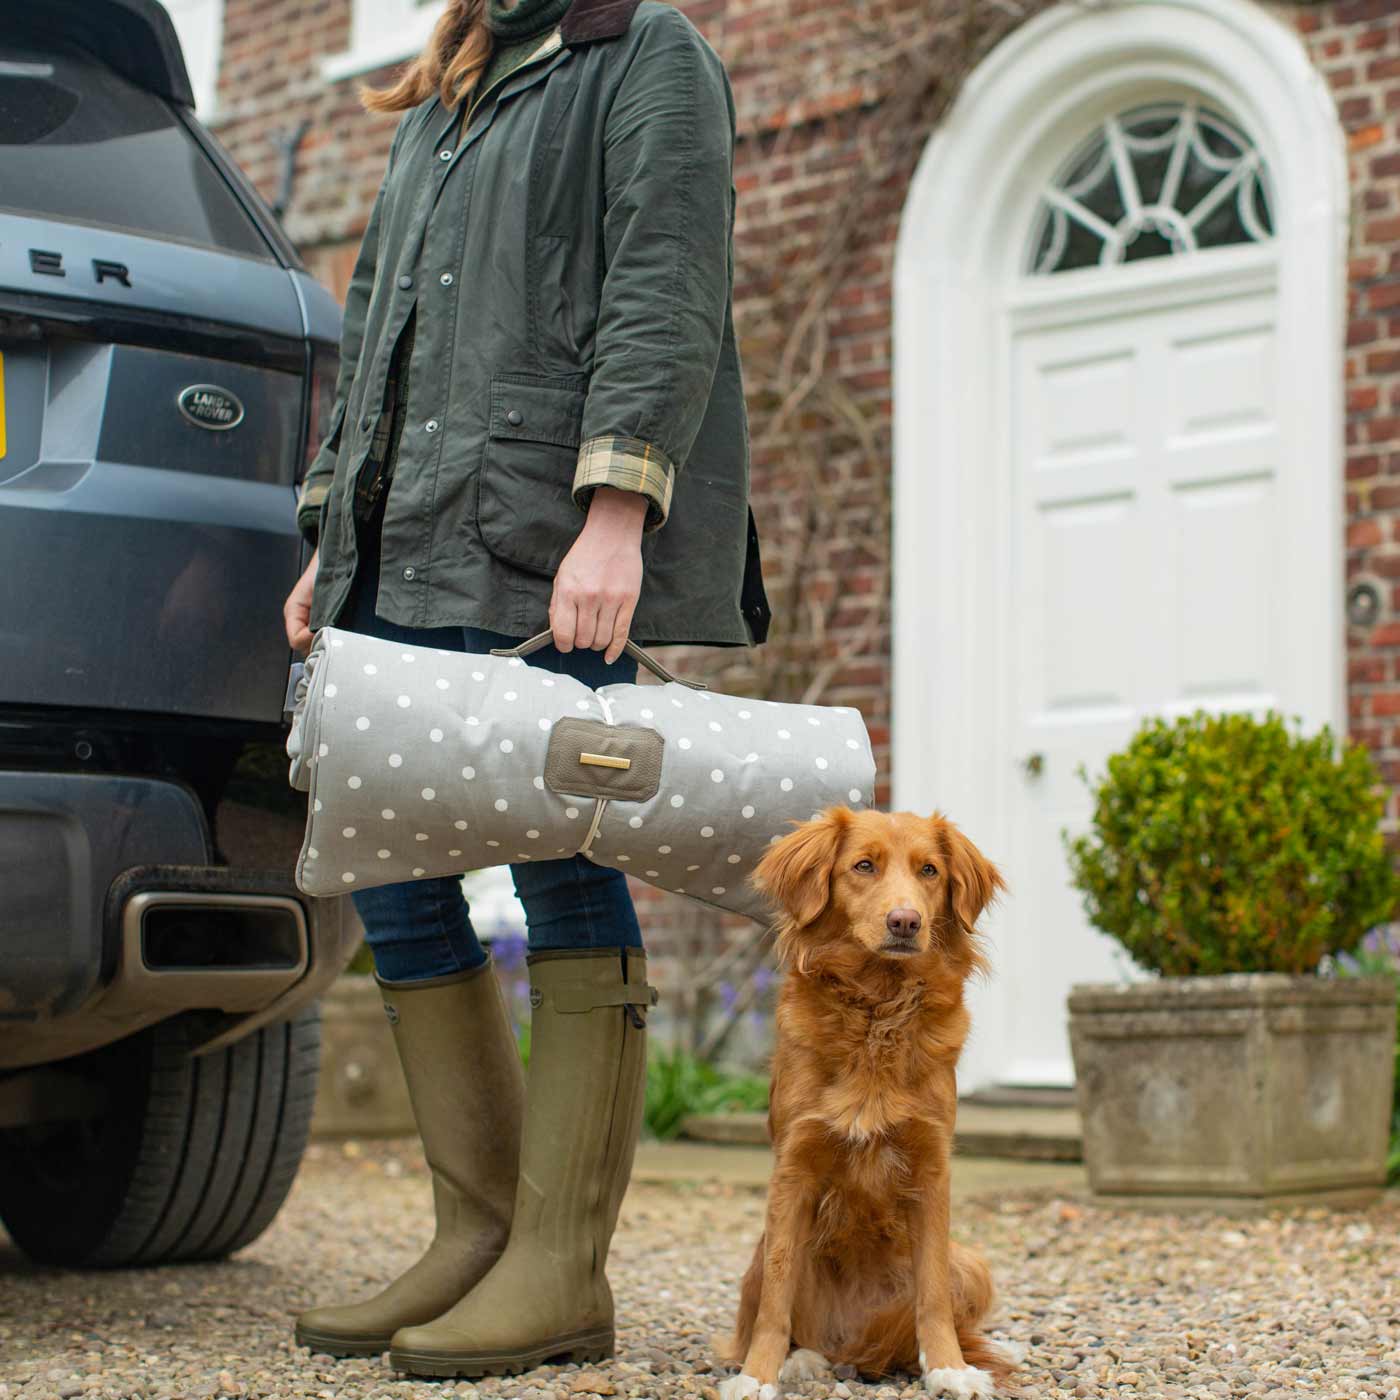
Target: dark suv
165, 362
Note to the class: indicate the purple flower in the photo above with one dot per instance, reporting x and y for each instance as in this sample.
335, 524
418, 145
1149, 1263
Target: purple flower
508, 948
1384, 941
728, 995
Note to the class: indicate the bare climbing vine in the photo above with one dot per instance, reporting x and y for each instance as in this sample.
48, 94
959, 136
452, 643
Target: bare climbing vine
826, 506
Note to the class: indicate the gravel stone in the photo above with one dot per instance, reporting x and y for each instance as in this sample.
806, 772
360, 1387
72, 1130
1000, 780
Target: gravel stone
1105, 1304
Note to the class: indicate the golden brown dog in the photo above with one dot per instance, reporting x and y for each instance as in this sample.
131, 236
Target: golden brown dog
855, 1263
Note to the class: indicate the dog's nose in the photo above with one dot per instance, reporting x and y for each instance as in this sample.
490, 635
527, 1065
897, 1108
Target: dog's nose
903, 923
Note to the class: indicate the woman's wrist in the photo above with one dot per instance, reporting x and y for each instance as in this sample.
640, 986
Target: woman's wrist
616, 512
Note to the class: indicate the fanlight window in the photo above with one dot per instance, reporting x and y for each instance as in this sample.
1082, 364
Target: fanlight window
1170, 178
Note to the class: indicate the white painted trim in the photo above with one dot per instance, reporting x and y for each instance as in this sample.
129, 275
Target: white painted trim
382, 32
1156, 284
960, 251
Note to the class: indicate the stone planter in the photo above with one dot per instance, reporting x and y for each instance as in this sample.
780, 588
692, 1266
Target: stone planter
1240, 1092
362, 1092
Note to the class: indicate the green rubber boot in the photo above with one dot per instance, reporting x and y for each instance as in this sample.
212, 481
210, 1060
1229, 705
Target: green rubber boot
547, 1296
467, 1088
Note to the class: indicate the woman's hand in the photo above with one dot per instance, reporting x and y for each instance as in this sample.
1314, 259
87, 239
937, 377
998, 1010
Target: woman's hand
296, 611
596, 588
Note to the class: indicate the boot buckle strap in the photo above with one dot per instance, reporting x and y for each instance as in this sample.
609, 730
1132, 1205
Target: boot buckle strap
582, 997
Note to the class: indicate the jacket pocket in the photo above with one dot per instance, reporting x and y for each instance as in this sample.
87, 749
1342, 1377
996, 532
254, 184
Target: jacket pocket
526, 511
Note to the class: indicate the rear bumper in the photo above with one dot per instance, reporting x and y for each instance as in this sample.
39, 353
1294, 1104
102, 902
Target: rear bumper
114, 916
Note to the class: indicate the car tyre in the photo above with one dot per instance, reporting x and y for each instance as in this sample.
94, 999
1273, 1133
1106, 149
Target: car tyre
191, 1159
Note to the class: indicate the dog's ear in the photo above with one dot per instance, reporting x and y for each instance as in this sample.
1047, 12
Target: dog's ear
975, 882
796, 871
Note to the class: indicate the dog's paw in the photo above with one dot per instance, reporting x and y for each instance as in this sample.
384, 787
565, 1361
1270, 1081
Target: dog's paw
804, 1364
743, 1387
959, 1383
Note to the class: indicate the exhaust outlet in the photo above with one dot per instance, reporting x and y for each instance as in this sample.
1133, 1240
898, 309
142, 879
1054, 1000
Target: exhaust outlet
220, 951
226, 933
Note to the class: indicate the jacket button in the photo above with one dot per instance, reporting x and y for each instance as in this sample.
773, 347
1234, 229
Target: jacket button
431, 426
514, 418
409, 574
405, 281
446, 279
444, 155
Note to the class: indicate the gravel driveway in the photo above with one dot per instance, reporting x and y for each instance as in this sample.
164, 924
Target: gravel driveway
1105, 1304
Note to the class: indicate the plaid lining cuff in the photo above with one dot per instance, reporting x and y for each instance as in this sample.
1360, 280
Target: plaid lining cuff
313, 496
628, 464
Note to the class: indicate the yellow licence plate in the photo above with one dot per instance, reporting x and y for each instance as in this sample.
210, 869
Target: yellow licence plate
2, 407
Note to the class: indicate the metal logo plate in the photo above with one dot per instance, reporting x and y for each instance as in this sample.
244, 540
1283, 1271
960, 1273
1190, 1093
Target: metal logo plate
208, 406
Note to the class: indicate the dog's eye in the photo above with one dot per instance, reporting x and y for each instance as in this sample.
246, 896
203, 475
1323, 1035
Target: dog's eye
928, 869
866, 867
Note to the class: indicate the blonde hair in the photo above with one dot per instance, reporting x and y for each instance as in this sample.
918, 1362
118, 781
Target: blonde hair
455, 57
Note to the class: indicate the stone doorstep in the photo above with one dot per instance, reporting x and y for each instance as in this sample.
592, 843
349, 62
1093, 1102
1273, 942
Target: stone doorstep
1010, 1132
685, 1164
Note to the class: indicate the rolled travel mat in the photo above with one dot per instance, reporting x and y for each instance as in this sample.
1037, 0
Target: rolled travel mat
420, 762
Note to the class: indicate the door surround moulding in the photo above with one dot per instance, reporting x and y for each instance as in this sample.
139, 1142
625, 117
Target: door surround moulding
957, 276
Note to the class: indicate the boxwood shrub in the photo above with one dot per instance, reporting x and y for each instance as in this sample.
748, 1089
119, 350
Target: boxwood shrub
1225, 843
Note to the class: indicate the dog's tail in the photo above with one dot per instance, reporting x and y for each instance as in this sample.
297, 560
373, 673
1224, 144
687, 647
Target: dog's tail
986, 1355
973, 1295
889, 1340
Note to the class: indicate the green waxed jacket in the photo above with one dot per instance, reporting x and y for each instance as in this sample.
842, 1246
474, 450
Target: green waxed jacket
570, 259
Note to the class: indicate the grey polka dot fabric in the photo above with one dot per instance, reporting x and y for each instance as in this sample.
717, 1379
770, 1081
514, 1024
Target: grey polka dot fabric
419, 762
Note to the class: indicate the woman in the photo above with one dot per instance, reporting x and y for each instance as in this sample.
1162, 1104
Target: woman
539, 415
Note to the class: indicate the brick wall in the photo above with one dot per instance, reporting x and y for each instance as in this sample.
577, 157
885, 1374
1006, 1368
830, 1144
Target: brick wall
269, 82
1356, 46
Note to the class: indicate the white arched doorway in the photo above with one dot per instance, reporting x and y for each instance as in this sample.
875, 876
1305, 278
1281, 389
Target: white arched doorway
1118, 436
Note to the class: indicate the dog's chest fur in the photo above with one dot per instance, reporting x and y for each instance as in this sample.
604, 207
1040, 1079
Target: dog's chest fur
875, 1069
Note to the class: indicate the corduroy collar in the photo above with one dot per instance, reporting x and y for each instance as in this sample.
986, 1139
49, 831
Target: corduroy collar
587, 20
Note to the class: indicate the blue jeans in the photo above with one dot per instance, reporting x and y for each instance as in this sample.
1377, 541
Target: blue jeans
422, 928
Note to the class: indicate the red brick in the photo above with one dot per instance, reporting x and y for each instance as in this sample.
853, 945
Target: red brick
1355, 110
1384, 702
1362, 534
1349, 12
1382, 230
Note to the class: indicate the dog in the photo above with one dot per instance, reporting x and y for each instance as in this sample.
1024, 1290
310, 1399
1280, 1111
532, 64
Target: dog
877, 933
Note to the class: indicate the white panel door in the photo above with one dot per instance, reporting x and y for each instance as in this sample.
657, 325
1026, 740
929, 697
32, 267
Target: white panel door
1146, 580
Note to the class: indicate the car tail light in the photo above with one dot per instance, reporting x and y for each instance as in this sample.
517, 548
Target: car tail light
325, 365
